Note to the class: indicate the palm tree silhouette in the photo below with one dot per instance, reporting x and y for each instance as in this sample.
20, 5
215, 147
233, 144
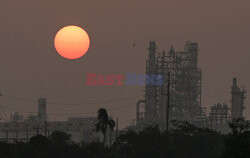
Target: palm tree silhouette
111, 124
104, 123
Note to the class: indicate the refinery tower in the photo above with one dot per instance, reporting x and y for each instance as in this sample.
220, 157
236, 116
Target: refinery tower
179, 95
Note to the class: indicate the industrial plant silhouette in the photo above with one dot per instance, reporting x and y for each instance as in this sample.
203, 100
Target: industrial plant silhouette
178, 98
170, 120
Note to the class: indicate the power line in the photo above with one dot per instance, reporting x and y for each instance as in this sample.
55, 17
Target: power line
5, 115
16, 110
20, 99
218, 98
29, 86
85, 103
93, 112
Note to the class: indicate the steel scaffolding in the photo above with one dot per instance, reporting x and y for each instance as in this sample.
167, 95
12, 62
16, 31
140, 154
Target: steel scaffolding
182, 77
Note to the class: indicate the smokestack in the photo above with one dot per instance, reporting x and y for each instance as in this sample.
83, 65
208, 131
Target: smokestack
42, 115
234, 83
151, 61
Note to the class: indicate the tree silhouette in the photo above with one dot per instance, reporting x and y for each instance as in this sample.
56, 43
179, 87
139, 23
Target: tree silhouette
239, 125
183, 140
39, 141
111, 125
104, 123
238, 141
59, 137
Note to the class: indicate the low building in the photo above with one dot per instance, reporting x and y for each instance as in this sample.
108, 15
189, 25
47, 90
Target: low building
19, 129
23, 131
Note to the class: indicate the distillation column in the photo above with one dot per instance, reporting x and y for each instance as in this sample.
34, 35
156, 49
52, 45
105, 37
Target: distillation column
238, 97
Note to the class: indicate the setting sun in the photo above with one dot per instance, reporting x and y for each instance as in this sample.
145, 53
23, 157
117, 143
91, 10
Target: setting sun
72, 42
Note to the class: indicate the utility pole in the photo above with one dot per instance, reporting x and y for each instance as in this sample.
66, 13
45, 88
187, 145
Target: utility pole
45, 128
7, 135
168, 90
168, 99
116, 127
37, 130
17, 136
37, 127
27, 135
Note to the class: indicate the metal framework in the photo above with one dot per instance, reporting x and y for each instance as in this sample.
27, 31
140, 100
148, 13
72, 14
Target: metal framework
179, 95
219, 114
181, 88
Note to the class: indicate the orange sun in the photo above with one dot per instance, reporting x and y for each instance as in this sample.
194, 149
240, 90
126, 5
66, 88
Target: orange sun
72, 42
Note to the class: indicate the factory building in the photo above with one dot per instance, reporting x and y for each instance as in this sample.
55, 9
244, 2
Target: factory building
16, 117
218, 116
19, 129
179, 95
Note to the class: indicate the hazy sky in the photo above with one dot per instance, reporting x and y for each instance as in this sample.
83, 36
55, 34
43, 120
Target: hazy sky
30, 68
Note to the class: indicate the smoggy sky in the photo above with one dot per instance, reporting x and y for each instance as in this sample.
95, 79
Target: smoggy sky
30, 68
